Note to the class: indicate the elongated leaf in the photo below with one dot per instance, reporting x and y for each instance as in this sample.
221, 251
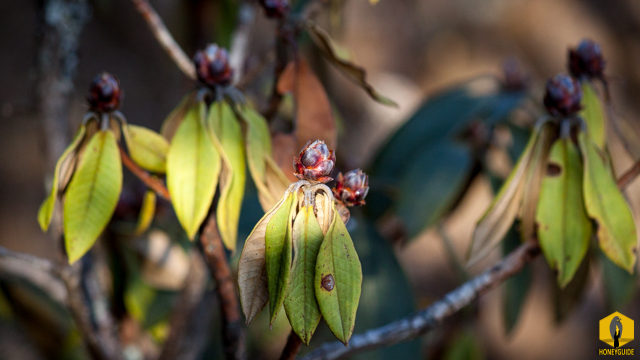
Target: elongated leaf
232, 179
495, 223
147, 148
620, 286
92, 195
147, 211
516, 288
355, 73
300, 303
465, 346
324, 211
66, 160
605, 204
252, 272
278, 253
174, 119
338, 280
193, 166
564, 229
593, 114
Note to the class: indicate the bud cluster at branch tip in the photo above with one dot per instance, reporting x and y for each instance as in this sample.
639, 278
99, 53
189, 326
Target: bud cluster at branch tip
563, 96
105, 94
352, 188
212, 66
587, 60
315, 162
275, 9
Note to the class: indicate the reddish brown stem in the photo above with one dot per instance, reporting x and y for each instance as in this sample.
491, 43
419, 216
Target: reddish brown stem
628, 176
165, 39
152, 182
214, 251
292, 348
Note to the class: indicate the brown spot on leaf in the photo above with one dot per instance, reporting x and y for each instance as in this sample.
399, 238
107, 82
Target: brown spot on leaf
554, 169
328, 283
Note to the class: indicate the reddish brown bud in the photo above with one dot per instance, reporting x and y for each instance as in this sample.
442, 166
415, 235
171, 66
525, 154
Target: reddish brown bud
212, 65
315, 162
515, 78
352, 188
105, 93
563, 95
587, 60
275, 9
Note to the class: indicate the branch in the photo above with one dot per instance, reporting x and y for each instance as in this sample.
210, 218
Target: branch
152, 182
629, 176
425, 320
240, 40
214, 251
291, 349
165, 39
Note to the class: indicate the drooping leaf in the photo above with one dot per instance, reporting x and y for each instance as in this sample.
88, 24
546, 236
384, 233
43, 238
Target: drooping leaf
232, 179
497, 220
147, 148
619, 286
605, 204
252, 272
593, 115
300, 303
193, 166
66, 160
147, 211
174, 119
285, 147
338, 280
464, 346
354, 72
566, 299
324, 211
278, 242
426, 195
92, 195
314, 115
516, 288
564, 229
533, 179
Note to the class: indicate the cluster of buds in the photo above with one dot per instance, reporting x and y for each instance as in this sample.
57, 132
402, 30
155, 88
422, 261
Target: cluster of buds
515, 78
275, 9
105, 94
352, 188
563, 96
212, 66
587, 60
315, 162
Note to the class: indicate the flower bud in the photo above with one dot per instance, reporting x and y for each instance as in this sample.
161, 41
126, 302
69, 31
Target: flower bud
515, 78
352, 188
587, 60
105, 93
563, 95
212, 65
315, 162
275, 9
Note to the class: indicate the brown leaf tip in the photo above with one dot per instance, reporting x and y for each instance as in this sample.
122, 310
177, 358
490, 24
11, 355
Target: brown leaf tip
212, 65
328, 283
315, 162
587, 60
352, 187
563, 96
105, 93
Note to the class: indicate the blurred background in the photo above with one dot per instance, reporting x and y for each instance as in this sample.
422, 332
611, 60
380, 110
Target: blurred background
411, 50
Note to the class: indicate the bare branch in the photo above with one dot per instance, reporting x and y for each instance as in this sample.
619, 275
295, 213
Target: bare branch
165, 39
424, 321
240, 40
152, 182
629, 176
233, 332
292, 348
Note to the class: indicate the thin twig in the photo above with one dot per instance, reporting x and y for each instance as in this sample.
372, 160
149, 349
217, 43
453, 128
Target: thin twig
233, 332
420, 323
292, 348
240, 40
152, 182
284, 38
165, 39
629, 176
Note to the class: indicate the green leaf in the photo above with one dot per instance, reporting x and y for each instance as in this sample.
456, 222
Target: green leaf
147, 148
147, 211
426, 195
174, 119
92, 195
300, 303
620, 286
495, 223
278, 242
338, 280
252, 274
464, 347
64, 162
193, 166
564, 229
516, 287
606, 205
232, 179
593, 114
